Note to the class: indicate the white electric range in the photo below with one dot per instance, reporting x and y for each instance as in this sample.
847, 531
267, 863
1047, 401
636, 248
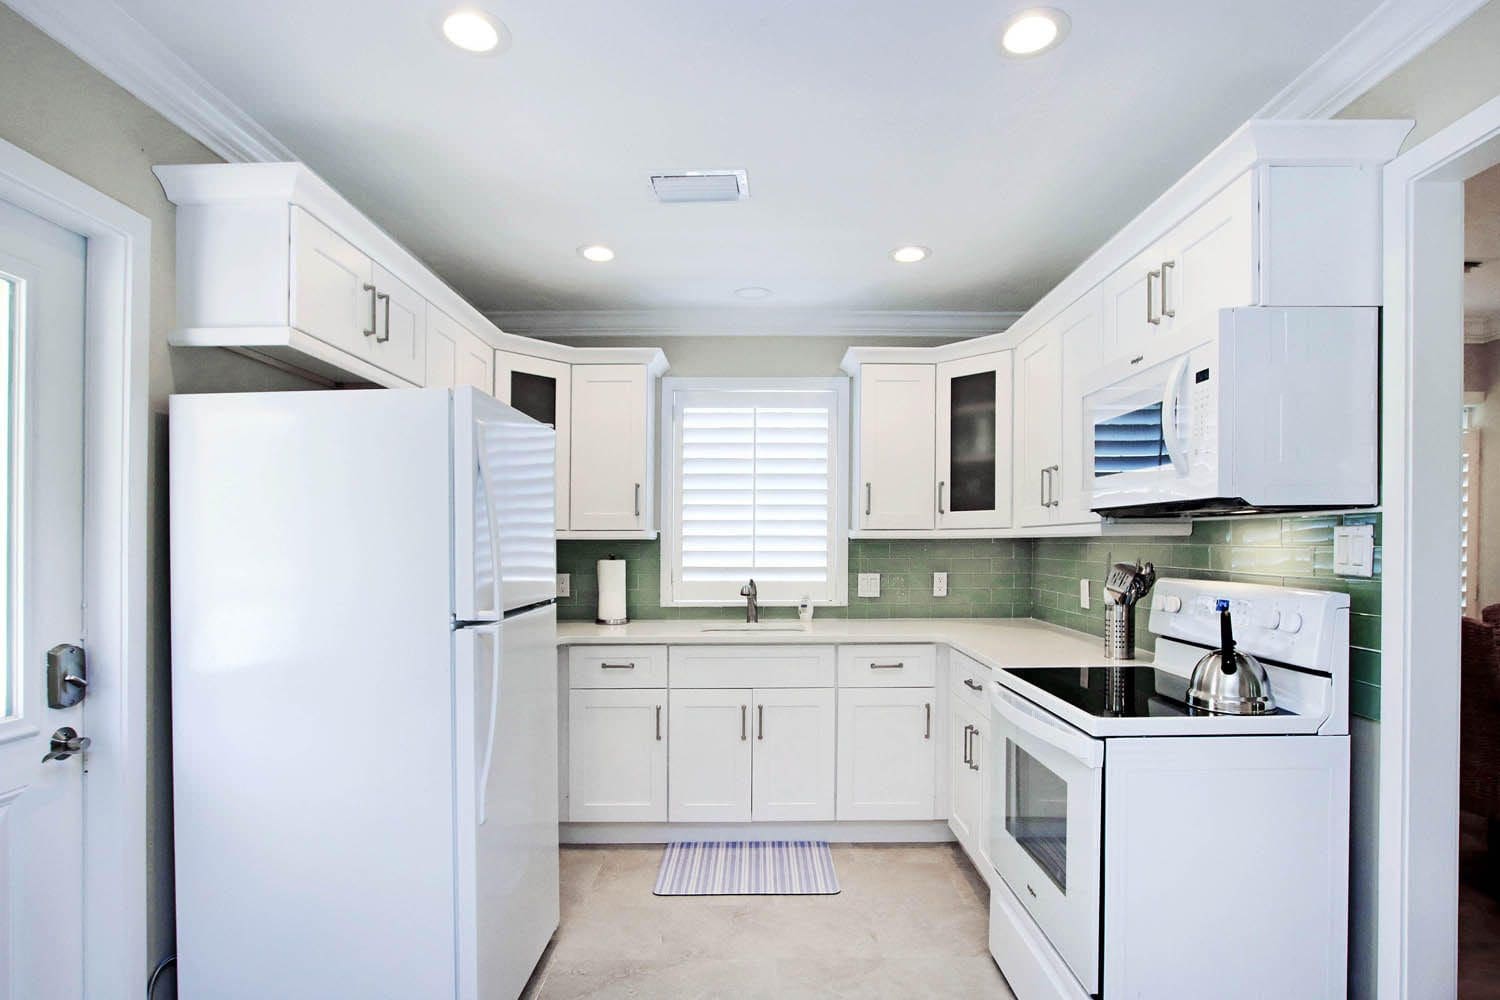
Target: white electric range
1148, 849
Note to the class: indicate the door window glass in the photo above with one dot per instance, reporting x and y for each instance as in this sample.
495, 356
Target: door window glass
971, 448
1036, 812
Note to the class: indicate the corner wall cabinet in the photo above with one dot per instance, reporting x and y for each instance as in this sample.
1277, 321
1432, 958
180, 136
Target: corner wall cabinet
1281, 214
602, 403
455, 355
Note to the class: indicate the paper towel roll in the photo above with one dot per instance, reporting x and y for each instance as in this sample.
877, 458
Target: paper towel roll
611, 576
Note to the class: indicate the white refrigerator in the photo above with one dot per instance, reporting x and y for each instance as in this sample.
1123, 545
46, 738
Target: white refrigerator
364, 694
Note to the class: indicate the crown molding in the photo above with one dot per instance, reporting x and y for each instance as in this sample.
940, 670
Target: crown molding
1379, 45
1481, 329
750, 321
115, 44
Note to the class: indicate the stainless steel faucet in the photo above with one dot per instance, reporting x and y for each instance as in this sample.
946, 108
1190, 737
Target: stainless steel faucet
752, 610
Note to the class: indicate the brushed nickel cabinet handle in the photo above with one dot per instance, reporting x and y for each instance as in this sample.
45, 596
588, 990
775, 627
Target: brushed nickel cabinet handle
371, 331
973, 761
940, 497
744, 715
1152, 316
382, 296
867, 499
928, 734
760, 722
1166, 309
658, 723
1042, 492
617, 666
637, 499
967, 731
969, 683
887, 666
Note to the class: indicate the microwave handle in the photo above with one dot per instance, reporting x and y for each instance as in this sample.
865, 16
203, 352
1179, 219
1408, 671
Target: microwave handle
1170, 397
1054, 733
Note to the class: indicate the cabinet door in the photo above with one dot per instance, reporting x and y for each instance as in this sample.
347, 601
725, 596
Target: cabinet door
887, 753
792, 777
1208, 260
1039, 428
543, 390
1132, 305
443, 336
611, 443
1080, 329
897, 484
476, 363
963, 785
399, 344
979, 771
617, 756
710, 759
333, 289
974, 410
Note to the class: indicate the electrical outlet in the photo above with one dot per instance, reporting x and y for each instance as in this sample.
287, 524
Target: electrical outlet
940, 585
1083, 593
869, 585
564, 585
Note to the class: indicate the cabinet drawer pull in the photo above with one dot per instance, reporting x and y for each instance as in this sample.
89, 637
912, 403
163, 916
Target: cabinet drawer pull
617, 666
382, 296
1152, 316
760, 722
658, 723
969, 683
886, 666
1166, 309
371, 331
744, 716
928, 734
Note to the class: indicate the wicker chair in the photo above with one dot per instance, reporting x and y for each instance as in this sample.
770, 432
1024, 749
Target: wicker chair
1479, 724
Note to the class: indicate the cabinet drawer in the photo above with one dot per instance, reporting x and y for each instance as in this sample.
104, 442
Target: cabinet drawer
887, 666
967, 680
617, 667
752, 666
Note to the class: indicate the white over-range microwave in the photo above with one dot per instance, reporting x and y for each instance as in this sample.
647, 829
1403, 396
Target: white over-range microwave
1257, 409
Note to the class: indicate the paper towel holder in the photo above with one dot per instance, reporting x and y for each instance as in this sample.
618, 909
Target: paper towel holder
617, 603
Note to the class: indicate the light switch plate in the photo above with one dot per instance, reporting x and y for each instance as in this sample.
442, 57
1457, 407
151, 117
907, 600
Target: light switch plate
564, 585
869, 585
939, 584
1083, 593
1354, 550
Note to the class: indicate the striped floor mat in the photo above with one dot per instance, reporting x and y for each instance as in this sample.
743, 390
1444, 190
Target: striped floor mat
747, 868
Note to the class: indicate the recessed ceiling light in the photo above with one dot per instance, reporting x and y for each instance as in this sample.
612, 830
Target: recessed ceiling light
475, 31
753, 292
909, 255
597, 252
1034, 31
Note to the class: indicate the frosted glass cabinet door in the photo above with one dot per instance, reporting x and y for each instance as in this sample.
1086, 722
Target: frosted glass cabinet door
542, 390
974, 442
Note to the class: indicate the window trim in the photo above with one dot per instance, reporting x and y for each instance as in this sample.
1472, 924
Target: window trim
671, 527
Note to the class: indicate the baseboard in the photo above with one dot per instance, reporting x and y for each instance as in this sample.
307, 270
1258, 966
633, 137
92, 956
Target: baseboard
908, 832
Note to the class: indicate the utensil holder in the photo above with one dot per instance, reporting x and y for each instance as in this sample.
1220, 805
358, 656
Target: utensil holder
1119, 631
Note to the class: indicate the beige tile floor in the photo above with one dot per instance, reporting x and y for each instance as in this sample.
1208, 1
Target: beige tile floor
910, 922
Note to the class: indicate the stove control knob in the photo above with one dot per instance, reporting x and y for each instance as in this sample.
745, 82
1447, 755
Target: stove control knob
1170, 604
1291, 622
1271, 619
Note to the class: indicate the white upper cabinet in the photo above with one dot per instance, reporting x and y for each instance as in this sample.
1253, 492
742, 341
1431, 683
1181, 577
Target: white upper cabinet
611, 448
400, 341
543, 390
974, 410
333, 286
1039, 430
895, 481
1080, 330
455, 356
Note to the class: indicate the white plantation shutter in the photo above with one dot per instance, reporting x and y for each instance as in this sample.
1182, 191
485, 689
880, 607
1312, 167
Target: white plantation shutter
754, 486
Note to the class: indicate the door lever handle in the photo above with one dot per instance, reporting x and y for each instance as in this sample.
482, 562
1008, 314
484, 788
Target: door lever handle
65, 743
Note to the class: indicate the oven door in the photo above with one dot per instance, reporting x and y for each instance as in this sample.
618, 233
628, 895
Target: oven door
1152, 430
1045, 824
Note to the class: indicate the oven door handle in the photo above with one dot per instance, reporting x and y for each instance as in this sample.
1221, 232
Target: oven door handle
1037, 723
1170, 397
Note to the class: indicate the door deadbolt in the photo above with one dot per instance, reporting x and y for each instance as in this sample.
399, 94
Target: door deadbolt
67, 675
65, 743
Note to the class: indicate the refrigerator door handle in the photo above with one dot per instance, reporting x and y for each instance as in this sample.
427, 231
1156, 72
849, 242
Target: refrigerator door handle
489, 514
489, 736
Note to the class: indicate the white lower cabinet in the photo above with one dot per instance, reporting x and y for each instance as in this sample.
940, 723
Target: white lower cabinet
792, 776
887, 753
617, 756
710, 755
968, 791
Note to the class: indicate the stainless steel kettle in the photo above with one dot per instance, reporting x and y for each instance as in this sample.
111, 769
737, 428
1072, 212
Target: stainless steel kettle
1228, 682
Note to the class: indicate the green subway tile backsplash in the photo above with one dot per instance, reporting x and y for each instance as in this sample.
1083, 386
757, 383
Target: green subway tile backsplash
1021, 578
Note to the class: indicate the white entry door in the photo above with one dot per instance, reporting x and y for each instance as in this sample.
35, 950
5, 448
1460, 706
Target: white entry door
41, 599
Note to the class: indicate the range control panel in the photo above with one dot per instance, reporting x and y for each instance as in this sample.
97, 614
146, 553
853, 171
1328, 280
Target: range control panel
1304, 628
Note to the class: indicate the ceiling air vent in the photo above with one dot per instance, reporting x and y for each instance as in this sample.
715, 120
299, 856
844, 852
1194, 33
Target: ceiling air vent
701, 185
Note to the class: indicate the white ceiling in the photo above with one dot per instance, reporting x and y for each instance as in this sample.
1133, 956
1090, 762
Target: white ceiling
864, 125
1482, 243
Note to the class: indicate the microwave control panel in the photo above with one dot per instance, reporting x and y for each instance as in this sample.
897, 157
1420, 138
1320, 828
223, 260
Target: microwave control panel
1203, 416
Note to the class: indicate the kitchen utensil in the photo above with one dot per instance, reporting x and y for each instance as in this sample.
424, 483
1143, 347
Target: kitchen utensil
1228, 682
1124, 586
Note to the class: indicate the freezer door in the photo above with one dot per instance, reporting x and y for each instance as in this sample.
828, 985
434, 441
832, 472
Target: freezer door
507, 811
503, 509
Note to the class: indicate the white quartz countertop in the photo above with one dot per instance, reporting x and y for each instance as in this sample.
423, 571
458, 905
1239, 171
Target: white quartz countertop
996, 642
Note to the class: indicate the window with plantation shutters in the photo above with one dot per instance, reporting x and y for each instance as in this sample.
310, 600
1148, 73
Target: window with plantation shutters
754, 484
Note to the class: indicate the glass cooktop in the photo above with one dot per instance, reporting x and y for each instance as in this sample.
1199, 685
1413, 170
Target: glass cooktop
1136, 692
